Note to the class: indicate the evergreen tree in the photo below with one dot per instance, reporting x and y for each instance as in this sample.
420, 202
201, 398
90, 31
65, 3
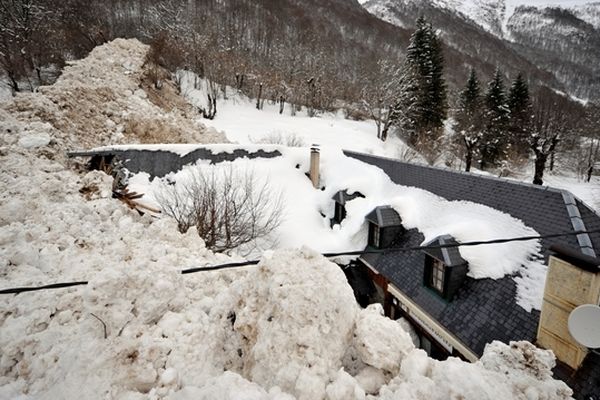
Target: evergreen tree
494, 142
424, 56
519, 105
468, 118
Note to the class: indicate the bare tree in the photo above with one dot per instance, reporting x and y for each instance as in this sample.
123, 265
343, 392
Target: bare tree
553, 116
230, 209
25, 29
389, 97
591, 140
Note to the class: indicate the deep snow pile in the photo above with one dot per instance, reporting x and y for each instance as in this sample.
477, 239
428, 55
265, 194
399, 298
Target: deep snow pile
287, 328
105, 98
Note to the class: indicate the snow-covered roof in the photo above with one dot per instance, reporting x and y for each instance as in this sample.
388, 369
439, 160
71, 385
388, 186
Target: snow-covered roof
483, 310
545, 209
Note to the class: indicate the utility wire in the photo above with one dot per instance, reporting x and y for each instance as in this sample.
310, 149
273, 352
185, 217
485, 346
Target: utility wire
328, 255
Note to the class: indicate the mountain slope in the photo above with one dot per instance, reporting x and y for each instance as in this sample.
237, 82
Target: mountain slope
559, 41
481, 49
589, 13
554, 46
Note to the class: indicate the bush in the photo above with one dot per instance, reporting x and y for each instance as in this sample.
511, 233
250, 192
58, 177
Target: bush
230, 209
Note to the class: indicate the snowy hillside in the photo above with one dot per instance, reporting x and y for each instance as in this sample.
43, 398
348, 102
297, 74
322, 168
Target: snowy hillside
589, 13
141, 330
488, 14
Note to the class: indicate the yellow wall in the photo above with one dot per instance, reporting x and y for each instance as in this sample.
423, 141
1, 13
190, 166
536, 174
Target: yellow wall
567, 287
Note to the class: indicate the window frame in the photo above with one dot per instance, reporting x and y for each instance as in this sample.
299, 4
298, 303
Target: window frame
437, 279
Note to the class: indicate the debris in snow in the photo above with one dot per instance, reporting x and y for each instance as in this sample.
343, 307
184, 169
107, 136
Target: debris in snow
95, 102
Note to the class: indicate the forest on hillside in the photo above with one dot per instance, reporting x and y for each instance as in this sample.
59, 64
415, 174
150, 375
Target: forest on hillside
324, 56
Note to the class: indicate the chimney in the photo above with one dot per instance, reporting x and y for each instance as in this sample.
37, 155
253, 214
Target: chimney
314, 165
573, 279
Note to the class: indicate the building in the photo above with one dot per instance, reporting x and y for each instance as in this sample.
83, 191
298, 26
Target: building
456, 315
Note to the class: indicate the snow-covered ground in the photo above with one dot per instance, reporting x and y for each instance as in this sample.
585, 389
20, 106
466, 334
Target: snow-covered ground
287, 328
242, 123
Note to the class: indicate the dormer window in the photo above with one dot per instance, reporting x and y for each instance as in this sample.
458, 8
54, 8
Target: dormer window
340, 199
445, 269
385, 226
437, 275
373, 235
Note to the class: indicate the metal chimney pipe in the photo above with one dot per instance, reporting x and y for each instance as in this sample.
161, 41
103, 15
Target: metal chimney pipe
314, 165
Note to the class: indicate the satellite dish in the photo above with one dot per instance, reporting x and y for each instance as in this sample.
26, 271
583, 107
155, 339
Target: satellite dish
584, 325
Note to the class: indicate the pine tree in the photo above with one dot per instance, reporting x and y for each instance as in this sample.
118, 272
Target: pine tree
519, 105
493, 144
424, 56
468, 118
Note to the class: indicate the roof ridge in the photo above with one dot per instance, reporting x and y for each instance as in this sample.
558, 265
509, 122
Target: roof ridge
585, 243
544, 188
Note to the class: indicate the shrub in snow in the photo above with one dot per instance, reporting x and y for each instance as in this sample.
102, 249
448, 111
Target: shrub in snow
229, 208
281, 138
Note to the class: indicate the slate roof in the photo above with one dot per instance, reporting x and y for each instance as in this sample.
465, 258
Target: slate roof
158, 163
342, 196
484, 309
585, 382
481, 311
540, 207
450, 256
384, 216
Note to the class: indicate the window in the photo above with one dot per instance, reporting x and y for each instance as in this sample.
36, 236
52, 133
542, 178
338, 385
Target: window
373, 235
437, 275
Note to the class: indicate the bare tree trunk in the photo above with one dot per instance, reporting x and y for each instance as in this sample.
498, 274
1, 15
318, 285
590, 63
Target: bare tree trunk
540, 166
14, 85
553, 152
468, 154
281, 104
260, 87
387, 124
468, 160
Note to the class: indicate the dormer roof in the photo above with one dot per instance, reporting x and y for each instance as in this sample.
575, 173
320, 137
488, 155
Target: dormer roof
342, 196
384, 216
450, 256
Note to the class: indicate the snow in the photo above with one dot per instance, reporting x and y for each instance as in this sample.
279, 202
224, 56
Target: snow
502, 373
286, 328
307, 211
242, 123
34, 141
